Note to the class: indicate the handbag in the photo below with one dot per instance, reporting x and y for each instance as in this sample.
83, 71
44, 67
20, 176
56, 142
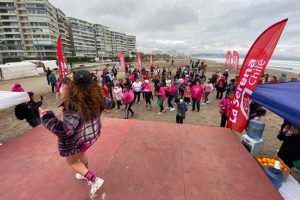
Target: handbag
159, 102
109, 103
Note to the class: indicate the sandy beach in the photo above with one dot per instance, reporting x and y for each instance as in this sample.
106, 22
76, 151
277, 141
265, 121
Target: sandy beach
208, 116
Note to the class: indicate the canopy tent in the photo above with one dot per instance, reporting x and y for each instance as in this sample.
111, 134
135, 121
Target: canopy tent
44, 65
9, 99
280, 98
18, 70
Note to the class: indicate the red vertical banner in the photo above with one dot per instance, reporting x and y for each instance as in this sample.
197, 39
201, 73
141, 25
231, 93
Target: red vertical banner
228, 59
60, 56
121, 58
138, 57
252, 69
151, 58
235, 61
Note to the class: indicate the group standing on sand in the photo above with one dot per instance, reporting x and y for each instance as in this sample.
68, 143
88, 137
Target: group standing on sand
84, 96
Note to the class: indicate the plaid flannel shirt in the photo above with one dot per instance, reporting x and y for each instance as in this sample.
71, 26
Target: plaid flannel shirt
73, 131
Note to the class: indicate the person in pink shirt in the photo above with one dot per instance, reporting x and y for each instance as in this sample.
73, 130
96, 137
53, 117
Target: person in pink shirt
147, 89
17, 87
171, 95
197, 93
187, 93
208, 88
225, 107
161, 97
128, 101
131, 78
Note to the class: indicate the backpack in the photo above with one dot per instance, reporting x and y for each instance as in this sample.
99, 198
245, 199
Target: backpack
21, 111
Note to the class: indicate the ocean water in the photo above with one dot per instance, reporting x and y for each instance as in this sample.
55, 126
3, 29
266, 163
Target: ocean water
282, 65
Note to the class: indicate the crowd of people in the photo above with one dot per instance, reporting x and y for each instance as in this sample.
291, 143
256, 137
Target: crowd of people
84, 96
159, 86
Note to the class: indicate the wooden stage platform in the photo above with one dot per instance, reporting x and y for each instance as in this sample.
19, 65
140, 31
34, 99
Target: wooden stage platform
139, 160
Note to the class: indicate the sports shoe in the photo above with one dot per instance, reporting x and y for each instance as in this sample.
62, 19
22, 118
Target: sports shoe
208, 102
79, 176
164, 110
95, 187
172, 109
167, 108
159, 113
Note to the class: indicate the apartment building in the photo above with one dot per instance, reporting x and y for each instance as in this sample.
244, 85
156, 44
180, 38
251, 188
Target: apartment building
29, 28
131, 44
100, 39
64, 30
83, 36
10, 32
39, 27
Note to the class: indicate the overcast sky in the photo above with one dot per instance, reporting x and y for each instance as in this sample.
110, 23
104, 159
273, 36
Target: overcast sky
193, 26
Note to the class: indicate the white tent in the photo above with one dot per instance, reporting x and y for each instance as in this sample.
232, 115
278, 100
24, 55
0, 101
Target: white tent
18, 70
9, 99
50, 63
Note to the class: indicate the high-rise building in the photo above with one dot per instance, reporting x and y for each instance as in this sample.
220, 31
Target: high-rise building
100, 39
64, 30
83, 36
10, 32
131, 44
109, 43
29, 28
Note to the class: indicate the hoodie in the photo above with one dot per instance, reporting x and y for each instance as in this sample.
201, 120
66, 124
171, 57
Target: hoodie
182, 107
128, 97
162, 93
17, 88
197, 92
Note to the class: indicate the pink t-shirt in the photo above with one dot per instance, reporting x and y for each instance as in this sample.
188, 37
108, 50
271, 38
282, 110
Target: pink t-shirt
197, 92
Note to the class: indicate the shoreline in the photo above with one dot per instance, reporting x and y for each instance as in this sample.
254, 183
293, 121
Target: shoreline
282, 69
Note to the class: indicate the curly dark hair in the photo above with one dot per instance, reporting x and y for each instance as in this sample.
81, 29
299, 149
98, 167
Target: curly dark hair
85, 99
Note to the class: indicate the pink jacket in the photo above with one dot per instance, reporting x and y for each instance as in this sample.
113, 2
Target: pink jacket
172, 90
118, 93
131, 78
17, 88
162, 93
128, 97
197, 92
225, 105
147, 87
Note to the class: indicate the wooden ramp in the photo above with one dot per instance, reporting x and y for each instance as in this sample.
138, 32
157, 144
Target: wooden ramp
139, 160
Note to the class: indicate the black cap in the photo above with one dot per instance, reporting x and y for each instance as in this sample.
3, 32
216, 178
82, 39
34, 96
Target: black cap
83, 77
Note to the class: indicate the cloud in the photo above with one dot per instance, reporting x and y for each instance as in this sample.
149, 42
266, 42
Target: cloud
193, 26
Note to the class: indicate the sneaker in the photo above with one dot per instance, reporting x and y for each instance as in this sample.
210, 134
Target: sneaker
208, 101
203, 103
159, 113
172, 109
164, 110
95, 187
167, 108
79, 176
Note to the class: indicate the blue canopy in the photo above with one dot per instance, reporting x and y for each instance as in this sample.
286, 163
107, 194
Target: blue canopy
280, 98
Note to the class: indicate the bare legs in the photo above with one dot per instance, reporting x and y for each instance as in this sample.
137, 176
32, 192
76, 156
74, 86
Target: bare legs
77, 163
